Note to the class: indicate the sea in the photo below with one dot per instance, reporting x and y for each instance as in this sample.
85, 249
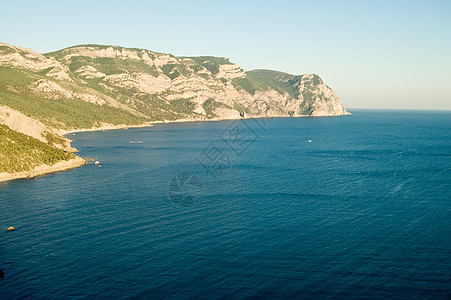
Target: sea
348, 207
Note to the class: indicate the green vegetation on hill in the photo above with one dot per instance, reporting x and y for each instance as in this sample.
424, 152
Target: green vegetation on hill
211, 63
250, 85
6, 50
263, 80
175, 70
210, 105
61, 53
20, 152
61, 113
53, 139
279, 81
158, 109
111, 66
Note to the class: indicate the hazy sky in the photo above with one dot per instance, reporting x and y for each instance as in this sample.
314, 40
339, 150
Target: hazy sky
374, 54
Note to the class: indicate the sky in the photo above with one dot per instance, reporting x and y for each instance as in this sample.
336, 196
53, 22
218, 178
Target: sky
373, 54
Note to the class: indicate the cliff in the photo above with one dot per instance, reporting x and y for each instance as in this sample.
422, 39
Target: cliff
90, 85
93, 86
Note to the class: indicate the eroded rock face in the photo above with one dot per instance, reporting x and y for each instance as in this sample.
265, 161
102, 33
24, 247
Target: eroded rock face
318, 99
89, 72
143, 82
17, 57
140, 82
50, 89
230, 72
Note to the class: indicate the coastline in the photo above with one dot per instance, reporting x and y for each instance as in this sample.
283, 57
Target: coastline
79, 161
105, 127
44, 169
186, 120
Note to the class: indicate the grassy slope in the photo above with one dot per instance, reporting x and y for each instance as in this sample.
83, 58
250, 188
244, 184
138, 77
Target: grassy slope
74, 113
279, 81
20, 152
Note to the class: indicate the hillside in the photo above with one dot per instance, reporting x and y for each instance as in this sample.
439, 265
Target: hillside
91, 86
20, 152
29, 148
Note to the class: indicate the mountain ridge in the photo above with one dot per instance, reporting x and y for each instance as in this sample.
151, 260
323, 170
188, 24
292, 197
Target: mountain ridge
96, 86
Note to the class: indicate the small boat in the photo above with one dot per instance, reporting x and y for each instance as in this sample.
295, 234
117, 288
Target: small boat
11, 228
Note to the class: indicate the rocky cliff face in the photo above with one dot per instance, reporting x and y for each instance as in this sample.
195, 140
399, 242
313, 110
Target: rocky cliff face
137, 85
92, 86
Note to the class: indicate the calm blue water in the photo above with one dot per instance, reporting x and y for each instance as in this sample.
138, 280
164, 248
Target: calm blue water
240, 209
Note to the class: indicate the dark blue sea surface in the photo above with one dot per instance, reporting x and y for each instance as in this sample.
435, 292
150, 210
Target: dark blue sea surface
342, 207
